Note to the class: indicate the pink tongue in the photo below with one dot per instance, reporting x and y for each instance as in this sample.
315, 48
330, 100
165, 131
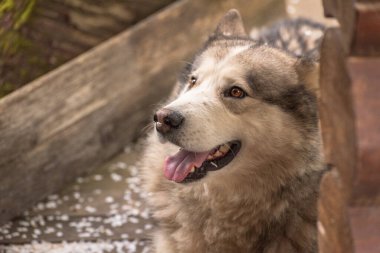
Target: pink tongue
178, 166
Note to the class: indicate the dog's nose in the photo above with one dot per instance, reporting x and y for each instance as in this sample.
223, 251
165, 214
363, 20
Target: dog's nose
167, 119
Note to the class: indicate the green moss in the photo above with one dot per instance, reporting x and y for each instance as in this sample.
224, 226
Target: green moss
6, 5
11, 42
24, 14
20, 13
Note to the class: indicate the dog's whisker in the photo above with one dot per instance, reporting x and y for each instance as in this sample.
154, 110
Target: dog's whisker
187, 62
233, 153
147, 128
156, 105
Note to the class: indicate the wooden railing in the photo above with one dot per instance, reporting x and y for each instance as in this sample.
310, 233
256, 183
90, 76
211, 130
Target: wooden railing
349, 206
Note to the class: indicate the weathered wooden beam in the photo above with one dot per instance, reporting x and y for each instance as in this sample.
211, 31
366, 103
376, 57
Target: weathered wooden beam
357, 161
339, 146
360, 24
365, 75
336, 111
365, 223
334, 234
366, 39
72, 119
55, 31
343, 11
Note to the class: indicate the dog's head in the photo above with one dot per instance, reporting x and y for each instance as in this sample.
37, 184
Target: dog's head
241, 103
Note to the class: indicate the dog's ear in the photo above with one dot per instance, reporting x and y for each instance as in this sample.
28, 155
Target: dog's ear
308, 74
231, 25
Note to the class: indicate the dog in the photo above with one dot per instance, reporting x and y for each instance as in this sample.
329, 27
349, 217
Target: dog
234, 161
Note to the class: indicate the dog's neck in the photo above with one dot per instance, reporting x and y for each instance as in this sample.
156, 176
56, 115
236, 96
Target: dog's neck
252, 203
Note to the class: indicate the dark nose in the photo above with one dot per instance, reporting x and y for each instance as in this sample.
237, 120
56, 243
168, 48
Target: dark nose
167, 119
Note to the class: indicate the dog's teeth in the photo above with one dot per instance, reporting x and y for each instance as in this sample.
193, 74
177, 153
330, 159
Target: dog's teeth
218, 154
210, 157
224, 148
192, 169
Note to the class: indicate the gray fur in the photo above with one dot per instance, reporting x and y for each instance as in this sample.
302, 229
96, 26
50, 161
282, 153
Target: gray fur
265, 199
300, 37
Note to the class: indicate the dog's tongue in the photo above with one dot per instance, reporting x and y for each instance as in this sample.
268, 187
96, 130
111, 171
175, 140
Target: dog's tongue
178, 166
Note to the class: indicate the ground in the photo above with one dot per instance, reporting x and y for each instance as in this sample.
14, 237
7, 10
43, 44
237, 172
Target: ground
103, 212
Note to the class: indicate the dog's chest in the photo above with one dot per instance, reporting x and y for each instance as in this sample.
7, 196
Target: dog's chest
218, 223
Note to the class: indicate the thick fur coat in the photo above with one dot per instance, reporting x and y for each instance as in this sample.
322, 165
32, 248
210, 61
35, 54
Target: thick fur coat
261, 93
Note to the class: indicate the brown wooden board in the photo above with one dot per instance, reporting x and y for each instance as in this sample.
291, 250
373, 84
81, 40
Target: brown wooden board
55, 31
365, 223
366, 41
339, 145
365, 75
344, 12
79, 115
360, 24
334, 234
335, 107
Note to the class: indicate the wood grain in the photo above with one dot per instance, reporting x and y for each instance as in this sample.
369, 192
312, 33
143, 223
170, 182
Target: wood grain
334, 234
352, 144
365, 223
366, 41
59, 30
74, 118
336, 111
339, 146
344, 12
360, 24
365, 77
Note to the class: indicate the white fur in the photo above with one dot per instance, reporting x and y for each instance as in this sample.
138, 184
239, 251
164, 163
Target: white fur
202, 101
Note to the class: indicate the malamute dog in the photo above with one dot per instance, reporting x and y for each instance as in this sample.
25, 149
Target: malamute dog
234, 163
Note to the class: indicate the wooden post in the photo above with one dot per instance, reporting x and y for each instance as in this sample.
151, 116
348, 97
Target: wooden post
334, 233
338, 134
351, 143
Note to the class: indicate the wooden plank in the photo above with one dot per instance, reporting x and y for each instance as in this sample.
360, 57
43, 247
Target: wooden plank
344, 12
338, 134
72, 119
365, 223
365, 78
360, 24
59, 30
366, 41
367, 1
335, 107
334, 234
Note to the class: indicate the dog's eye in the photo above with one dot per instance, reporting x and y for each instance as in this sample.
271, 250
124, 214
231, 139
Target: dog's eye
236, 92
192, 81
